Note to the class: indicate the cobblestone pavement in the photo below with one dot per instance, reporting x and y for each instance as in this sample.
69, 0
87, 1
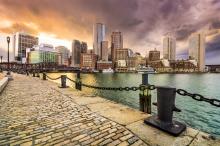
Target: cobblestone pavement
34, 113
1, 75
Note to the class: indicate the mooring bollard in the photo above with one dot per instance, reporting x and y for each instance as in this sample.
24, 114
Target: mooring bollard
44, 76
78, 85
33, 74
63, 81
165, 107
145, 96
27, 73
38, 74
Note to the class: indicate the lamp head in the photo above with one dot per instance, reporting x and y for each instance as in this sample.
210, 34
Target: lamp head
8, 39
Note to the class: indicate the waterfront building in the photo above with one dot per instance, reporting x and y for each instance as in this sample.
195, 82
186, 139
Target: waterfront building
169, 48
98, 37
84, 47
104, 65
64, 55
104, 50
122, 57
76, 51
43, 53
197, 49
164, 65
21, 42
154, 55
88, 61
116, 43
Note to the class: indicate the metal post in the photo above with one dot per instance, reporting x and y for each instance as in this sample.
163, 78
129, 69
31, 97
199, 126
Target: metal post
1, 64
38, 74
44, 76
27, 73
165, 107
33, 73
145, 96
8, 41
63, 81
78, 85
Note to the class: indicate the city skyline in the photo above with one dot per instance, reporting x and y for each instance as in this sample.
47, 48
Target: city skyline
132, 20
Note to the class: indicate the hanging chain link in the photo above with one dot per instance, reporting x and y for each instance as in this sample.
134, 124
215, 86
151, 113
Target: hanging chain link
52, 78
142, 88
198, 97
71, 80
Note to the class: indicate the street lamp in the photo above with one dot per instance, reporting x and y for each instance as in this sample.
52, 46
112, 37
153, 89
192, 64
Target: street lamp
8, 40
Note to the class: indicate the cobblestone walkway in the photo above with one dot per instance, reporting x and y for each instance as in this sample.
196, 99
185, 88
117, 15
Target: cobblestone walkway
34, 113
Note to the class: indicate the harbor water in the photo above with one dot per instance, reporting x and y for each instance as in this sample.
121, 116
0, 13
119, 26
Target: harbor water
196, 114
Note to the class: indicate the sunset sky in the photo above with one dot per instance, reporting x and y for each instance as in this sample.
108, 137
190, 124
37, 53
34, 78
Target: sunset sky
143, 22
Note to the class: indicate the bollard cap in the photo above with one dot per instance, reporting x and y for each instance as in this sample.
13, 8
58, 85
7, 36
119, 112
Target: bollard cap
166, 87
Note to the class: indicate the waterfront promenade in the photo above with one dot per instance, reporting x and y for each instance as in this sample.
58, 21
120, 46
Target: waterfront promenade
37, 112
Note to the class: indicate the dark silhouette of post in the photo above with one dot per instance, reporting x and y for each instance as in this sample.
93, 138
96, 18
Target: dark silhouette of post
1, 65
8, 41
145, 96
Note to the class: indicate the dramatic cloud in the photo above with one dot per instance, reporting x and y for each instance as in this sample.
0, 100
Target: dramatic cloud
143, 22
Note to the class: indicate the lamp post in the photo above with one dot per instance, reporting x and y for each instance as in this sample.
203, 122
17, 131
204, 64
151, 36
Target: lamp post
8, 41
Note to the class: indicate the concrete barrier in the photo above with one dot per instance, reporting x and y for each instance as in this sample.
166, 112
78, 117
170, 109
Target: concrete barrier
3, 83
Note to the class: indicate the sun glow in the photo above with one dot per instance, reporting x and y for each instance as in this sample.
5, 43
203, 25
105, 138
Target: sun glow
49, 38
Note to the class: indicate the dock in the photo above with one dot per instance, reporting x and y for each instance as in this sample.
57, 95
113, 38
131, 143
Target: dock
38, 112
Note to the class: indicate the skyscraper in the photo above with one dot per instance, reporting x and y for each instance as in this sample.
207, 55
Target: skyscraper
98, 37
84, 47
104, 50
64, 54
22, 41
169, 48
76, 52
116, 43
197, 49
154, 55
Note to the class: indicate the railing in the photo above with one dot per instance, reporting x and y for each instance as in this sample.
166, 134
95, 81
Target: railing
38, 67
165, 101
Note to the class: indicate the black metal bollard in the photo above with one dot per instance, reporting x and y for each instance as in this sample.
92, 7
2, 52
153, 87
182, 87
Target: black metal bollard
145, 96
165, 107
38, 74
78, 84
63, 81
27, 73
33, 74
44, 76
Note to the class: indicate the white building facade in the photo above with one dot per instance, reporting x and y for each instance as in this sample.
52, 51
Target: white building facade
169, 48
197, 49
22, 41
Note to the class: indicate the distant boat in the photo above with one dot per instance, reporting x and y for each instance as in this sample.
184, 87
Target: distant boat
95, 71
109, 70
145, 69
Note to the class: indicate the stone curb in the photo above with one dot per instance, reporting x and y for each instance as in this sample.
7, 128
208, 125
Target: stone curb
3, 83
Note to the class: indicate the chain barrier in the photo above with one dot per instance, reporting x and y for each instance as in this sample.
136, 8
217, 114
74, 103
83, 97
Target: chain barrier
52, 78
198, 97
142, 88
182, 92
71, 80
